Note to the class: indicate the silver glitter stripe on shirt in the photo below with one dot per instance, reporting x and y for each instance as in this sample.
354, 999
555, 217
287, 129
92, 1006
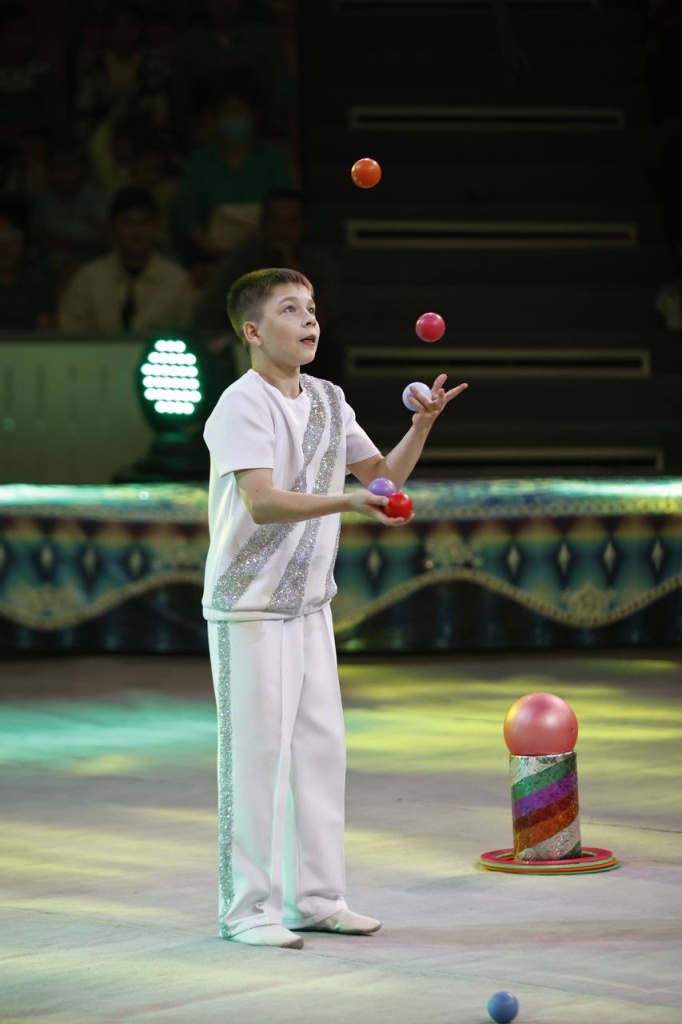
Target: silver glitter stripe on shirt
288, 597
330, 585
225, 777
249, 563
331, 588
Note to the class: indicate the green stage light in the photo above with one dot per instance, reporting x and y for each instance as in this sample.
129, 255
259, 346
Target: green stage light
178, 382
171, 386
175, 385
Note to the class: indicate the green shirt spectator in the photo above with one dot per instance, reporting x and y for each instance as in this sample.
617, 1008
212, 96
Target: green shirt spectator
227, 180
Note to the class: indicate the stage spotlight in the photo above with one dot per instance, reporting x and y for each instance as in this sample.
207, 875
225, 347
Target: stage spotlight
177, 384
170, 382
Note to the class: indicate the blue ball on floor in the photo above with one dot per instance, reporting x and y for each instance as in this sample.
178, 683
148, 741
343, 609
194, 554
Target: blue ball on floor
503, 1007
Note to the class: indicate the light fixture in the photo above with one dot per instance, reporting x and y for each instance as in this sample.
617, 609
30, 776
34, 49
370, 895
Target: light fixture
171, 383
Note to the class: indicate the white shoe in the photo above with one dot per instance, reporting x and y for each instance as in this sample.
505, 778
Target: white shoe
345, 922
269, 935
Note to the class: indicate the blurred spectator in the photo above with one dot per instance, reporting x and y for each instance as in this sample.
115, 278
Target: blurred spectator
132, 287
70, 214
151, 169
124, 74
281, 242
110, 150
227, 43
29, 102
132, 153
27, 297
226, 181
29, 99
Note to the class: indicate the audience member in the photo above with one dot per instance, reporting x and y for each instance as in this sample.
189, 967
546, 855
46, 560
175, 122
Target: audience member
131, 152
132, 287
110, 152
29, 96
281, 242
27, 296
226, 180
227, 43
69, 215
151, 169
29, 102
123, 74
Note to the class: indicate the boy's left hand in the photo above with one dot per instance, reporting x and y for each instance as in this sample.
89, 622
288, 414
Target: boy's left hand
428, 409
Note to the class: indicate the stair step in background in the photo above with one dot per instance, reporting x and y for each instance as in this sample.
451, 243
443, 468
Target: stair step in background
516, 201
481, 183
645, 266
388, 308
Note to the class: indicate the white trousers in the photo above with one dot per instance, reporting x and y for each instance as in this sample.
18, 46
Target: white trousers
281, 771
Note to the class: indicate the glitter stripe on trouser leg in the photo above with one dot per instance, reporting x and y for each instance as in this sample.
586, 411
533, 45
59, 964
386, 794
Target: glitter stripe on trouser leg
262, 686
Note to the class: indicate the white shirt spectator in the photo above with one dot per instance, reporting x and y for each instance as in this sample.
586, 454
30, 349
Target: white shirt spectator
162, 297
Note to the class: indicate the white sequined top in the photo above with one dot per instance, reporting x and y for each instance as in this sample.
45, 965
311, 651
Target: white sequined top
276, 571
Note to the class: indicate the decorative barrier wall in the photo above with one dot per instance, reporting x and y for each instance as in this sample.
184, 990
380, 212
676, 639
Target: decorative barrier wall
484, 565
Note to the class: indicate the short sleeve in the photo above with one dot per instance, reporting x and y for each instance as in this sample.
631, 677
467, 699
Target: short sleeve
359, 446
240, 433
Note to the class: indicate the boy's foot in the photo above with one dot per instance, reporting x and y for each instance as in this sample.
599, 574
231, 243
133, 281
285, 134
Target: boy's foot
269, 935
345, 922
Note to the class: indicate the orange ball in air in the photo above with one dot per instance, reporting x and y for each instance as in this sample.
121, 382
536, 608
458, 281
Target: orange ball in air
366, 173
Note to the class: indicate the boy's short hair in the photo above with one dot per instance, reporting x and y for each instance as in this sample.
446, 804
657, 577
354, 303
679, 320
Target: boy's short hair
248, 293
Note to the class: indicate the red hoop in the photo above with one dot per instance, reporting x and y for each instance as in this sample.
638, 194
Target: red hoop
592, 859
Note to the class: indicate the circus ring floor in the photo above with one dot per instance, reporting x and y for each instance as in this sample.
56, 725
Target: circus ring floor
108, 848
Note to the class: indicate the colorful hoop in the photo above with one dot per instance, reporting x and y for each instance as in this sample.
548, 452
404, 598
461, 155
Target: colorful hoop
592, 859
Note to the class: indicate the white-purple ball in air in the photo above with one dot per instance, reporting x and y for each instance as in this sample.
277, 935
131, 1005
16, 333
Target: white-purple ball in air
407, 397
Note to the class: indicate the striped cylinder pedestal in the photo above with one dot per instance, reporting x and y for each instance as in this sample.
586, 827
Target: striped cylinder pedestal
545, 806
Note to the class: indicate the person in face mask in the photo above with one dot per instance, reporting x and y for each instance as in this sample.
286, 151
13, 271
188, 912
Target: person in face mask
226, 181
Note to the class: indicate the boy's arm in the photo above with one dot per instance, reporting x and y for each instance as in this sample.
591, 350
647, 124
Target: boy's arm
400, 462
268, 504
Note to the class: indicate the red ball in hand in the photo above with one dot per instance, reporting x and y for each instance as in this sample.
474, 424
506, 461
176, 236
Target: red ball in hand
366, 173
399, 506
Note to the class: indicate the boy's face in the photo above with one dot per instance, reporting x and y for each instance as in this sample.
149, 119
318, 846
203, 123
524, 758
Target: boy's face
286, 334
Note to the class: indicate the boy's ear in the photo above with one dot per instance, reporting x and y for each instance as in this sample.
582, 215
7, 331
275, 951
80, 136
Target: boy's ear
251, 332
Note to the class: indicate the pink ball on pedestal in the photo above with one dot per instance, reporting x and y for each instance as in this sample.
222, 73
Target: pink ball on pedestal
540, 723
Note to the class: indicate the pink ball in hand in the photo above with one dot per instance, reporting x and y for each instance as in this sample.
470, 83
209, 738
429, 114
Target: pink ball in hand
540, 723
